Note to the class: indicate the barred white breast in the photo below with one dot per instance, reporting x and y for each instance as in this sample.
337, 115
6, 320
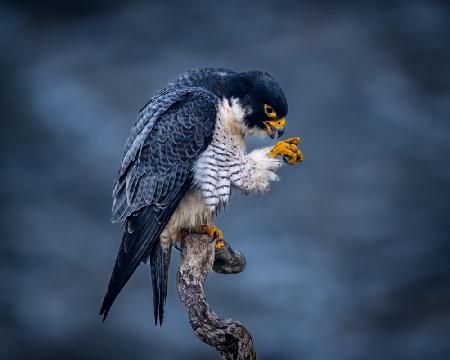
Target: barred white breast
224, 165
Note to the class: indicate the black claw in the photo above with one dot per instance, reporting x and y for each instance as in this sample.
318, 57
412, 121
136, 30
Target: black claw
214, 237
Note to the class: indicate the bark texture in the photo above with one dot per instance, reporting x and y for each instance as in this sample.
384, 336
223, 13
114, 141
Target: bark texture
198, 256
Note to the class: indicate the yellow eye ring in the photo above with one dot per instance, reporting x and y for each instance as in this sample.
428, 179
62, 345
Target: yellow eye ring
269, 111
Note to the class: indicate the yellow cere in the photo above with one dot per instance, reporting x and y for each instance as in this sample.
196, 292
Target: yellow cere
277, 123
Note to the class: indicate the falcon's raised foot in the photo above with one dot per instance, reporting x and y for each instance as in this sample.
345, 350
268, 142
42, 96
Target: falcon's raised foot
288, 150
215, 233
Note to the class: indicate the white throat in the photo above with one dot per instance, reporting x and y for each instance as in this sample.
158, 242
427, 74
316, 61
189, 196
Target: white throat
230, 121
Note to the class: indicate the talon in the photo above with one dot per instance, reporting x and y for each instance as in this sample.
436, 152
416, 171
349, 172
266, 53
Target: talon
219, 244
291, 160
293, 140
212, 231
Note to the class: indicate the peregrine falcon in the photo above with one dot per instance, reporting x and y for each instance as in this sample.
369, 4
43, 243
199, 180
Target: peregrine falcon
185, 155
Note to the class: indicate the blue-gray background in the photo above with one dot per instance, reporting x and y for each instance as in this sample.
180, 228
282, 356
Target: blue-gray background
348, 256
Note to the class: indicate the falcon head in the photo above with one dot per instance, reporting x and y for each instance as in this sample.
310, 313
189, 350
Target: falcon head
264, 103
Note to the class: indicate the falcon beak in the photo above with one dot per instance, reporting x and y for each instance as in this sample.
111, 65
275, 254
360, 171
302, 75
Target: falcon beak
275, 128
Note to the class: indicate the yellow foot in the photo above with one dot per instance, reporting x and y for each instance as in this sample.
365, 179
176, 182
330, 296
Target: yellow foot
288, 150
211, 231
214, 231
219, 244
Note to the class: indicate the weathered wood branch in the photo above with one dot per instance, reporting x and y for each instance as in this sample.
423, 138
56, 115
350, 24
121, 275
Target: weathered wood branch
198, 256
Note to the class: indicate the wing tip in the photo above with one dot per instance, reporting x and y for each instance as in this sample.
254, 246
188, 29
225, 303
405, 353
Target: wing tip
159, 283
104, 310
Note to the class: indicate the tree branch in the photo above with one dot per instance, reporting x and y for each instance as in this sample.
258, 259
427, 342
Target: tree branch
198, 256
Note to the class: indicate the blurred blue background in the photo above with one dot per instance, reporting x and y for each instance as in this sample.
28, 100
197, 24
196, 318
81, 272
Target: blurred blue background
348, 256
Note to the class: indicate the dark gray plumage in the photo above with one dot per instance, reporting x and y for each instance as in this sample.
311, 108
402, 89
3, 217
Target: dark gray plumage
170, 133
201, 119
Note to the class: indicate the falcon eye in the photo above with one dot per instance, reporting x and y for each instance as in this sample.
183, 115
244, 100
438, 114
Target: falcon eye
270, 112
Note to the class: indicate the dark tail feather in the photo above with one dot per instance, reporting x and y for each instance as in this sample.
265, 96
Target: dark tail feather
159, 264
140, 234
166, 259
156, 266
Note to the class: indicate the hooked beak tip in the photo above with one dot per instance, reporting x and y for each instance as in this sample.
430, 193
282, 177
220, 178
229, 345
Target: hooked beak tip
275, 128
274, 132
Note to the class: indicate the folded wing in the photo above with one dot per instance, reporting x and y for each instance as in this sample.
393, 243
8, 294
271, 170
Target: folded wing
156, 173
